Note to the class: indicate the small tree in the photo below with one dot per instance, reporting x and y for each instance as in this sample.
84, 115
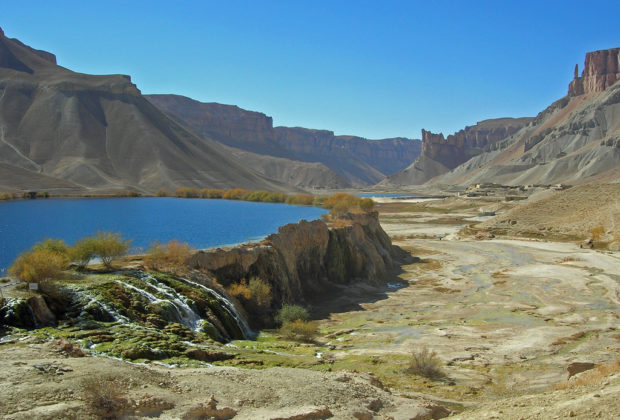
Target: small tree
290, 313
366, 204
82, 252
109, 245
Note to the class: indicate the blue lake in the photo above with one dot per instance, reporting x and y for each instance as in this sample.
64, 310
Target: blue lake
201, 223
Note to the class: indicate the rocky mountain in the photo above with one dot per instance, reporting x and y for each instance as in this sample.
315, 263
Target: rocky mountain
66, 131
439, 155
353, 160
575, 140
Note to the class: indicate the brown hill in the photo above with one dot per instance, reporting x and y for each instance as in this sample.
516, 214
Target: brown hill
573, 213
357, 160
575, 140
439, 155
67, 130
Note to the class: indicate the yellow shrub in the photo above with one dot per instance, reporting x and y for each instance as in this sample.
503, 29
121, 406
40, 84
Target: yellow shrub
38, 266
299, 330
241, 291
172, 255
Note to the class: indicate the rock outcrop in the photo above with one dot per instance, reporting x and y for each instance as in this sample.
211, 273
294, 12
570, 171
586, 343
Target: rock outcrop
440, 154
601, 70
308, 259
356, 160
573, 141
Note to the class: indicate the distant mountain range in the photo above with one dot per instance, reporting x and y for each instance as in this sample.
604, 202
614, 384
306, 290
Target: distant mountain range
69, 132
348, 160
575, 140
66, 131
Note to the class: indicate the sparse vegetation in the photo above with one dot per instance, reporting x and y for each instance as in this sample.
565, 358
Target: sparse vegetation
173, 255
108, 245
260, 292
187, 193
299, 330
594, 376
290, 313
82, 252
36, 266
104, 396
597, 232
300, 200
162, 193
425, 363
255, 294
338, 204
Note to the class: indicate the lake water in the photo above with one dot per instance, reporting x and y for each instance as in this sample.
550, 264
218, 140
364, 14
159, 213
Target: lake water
390, 195
201, 223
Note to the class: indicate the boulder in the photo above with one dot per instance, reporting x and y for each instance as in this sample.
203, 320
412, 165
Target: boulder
42, 313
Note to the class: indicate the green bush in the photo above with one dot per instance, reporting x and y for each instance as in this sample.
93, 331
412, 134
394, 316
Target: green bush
290, 313
82, 252
108, 245
162, 193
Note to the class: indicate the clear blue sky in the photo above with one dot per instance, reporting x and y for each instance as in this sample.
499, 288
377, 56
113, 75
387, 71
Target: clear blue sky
370, 68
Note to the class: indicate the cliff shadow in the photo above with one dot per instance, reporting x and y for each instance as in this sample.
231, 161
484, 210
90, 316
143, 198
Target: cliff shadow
350, 297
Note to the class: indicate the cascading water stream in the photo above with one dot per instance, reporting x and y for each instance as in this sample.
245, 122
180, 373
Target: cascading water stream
185, 314
228, 306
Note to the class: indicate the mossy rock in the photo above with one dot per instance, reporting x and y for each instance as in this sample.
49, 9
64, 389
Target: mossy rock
208, 356
209, 329
17, 313
142, 352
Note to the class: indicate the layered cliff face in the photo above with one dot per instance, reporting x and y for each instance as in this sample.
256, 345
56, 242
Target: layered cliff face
439, 154
356, 160
308, 259
71, 132
601, 70
575, 140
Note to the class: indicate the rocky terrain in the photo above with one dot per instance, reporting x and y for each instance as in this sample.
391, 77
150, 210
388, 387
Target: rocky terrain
509, 319
575, 140
439, 154
69, 132
356, 161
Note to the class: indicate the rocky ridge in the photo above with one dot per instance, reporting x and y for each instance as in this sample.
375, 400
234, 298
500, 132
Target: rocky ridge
601, 70
575, 140
356, 160
440, 154
72, 132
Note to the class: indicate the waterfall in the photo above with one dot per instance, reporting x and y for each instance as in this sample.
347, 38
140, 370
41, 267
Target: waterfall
182, 304
185, 314
228, 307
